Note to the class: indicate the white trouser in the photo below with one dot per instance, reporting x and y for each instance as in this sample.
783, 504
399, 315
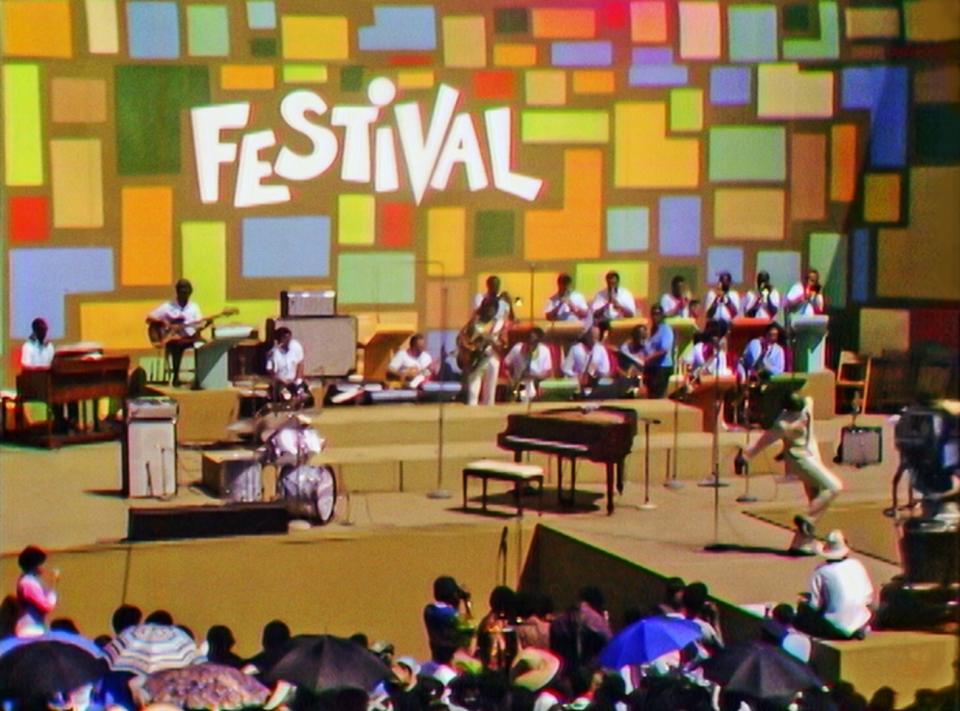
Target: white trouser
483, 379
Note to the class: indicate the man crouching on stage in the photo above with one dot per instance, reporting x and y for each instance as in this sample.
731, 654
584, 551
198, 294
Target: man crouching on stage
801, 454
285, 365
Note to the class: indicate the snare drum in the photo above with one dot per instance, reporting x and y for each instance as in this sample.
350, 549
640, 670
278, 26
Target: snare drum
310, 492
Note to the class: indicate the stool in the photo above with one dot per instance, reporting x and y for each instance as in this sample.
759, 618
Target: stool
518, 474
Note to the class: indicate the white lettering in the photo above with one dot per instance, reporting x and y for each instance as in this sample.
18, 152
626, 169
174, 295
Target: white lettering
356, 140
209, 152
500, 143
385, 178
293, 166
250, 190
461, 146
421, 153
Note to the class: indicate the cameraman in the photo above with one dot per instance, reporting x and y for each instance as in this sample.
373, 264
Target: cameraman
447, 628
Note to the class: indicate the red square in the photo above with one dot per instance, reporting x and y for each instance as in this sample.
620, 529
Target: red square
493, 85
395, 224
29, 218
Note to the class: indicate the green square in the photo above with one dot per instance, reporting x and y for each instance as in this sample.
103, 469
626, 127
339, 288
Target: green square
666, 274
493, 232
511, 20
747, 154
263, 47
351, 78
375, 277
797, 18
150, 100
686, 109
208, 31
828, 255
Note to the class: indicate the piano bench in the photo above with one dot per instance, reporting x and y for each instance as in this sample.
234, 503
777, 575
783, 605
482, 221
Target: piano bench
519, 474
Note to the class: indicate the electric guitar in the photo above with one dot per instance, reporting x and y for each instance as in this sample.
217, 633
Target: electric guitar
472, 350
162, 332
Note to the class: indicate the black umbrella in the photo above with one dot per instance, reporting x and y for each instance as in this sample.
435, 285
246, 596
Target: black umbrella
318, 662
760, 671
42, 669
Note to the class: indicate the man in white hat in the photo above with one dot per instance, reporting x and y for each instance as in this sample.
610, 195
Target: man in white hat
839, 603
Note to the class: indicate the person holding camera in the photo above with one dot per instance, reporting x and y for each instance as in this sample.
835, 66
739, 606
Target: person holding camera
805, 298
449, 622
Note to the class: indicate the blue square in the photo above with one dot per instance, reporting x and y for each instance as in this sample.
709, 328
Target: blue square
628, 229
730, 86
753, 33
261, 15
680, 226
153, 30
725, 259
286, 246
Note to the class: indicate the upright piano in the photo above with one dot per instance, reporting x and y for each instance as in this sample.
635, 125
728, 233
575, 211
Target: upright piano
598, 434
72, 379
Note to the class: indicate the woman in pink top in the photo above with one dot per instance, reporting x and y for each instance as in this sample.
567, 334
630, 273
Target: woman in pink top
34, 600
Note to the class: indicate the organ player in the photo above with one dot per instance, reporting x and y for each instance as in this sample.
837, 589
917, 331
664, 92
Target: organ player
178, 323
37, 351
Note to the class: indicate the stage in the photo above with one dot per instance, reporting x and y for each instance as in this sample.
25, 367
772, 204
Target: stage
371, 569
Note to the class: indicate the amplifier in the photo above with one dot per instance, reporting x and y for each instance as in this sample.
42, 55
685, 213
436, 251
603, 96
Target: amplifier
329, 344
860, 446
308, 303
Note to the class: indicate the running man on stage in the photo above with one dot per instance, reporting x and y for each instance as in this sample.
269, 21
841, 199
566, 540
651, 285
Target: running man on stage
285, 365
176, 325
764, 301
479, 345
411, 365
723, 302
566, 304
801, 453
529, 362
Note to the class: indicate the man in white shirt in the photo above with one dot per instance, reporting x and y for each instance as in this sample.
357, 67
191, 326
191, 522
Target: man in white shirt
285, 364
37, 351
529, 362
613, 301
841, 594
501, 298
709, 356
679, 302
177, 324
566, 304
587, 360
723, 302
764, 301
763, 357
411, 365
805, 298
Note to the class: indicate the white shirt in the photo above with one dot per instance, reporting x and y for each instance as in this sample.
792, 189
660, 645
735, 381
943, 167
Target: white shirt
35, 354
725, 311
669, 302
565, 313
402, 361
171, 311
704, 357
798, 644
843, 591
768, 305
804, 306
503, 306
283, 364
541, 362
621, 296
579, 359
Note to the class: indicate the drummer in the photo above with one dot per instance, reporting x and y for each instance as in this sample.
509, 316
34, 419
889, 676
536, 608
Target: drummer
285, 364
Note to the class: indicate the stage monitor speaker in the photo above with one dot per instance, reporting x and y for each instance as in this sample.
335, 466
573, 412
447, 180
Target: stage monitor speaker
169, 523
329, 344
150, 448
295, 304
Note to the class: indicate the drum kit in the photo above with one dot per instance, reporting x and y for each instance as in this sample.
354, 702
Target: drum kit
287, 440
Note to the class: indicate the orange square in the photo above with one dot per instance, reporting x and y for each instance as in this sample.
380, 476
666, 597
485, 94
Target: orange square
881, 197
493, 85
648, 21
37, 28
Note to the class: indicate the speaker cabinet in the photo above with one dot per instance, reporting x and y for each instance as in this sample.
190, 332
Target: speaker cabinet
177, 522
150, 448
329, 344
294, 304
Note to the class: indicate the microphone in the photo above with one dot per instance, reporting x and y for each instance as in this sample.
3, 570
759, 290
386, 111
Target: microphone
650, 420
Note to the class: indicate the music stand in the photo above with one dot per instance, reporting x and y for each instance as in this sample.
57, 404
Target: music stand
647, 421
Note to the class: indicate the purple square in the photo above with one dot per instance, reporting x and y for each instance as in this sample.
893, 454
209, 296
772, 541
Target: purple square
680, 226
730, 86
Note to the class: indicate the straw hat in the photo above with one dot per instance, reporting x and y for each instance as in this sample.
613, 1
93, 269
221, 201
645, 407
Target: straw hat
834, 546
534, 668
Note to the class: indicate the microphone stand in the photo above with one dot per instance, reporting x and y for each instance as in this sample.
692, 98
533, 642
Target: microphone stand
647, 421
671, 481
439, 492
741, 465
714, 480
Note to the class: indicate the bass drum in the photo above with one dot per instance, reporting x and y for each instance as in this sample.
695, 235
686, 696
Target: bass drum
310, 492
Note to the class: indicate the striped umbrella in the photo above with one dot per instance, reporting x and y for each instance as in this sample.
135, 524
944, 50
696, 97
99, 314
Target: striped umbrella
145, 649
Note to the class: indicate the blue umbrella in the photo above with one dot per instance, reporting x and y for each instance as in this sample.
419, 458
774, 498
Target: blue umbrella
75, 640
648, 639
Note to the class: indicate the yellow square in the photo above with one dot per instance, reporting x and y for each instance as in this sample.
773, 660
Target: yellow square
315, 37
34, 28
514, 55
593, 81
881, 197
546, 87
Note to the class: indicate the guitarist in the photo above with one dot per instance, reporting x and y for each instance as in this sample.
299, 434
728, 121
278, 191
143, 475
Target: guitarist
479, 345
179, 321
587, 360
